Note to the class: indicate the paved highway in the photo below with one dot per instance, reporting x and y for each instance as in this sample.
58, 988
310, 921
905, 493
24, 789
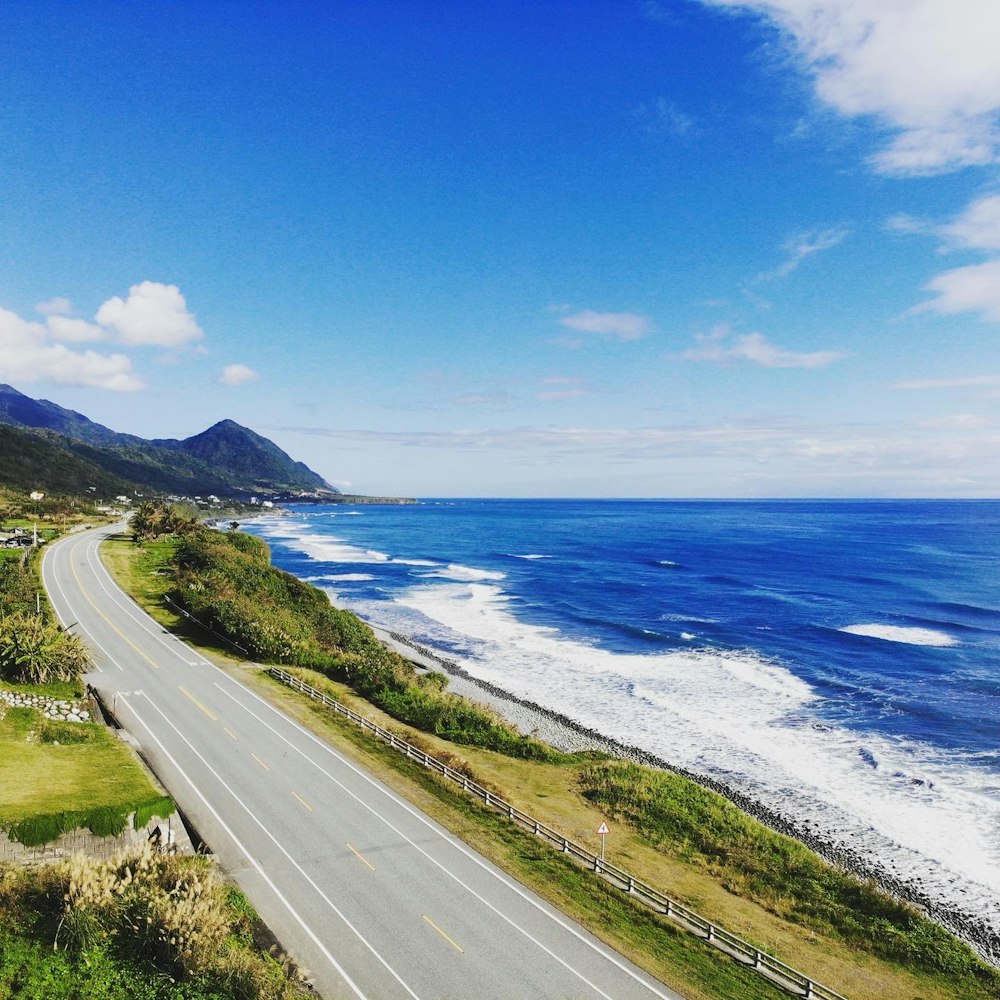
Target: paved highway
367, 893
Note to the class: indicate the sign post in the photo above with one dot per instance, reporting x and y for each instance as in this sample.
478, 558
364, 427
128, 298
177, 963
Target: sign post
603, 832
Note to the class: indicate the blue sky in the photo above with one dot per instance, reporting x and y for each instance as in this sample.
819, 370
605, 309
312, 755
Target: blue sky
671, 248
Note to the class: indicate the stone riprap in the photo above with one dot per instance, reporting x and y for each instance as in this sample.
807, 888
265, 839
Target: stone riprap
51, 708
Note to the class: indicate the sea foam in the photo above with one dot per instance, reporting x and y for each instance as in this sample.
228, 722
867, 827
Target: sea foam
745, 720
899, 633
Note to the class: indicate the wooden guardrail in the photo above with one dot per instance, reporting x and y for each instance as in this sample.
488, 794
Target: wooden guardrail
790, 979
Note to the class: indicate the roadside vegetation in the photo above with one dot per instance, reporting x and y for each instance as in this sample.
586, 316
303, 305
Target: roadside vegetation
225, 580
670, 831
57, 776
143, 926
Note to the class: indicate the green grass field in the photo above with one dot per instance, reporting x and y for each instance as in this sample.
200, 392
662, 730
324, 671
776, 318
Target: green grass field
56, 776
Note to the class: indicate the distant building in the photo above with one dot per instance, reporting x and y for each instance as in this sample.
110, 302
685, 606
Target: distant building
35, 495
267, 503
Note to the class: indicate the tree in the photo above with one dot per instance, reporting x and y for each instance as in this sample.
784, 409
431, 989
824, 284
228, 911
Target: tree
149, 520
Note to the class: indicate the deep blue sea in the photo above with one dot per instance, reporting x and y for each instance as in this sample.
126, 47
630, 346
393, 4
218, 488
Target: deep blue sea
838, 660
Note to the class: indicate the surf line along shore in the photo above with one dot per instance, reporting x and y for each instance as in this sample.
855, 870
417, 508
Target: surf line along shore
566, 734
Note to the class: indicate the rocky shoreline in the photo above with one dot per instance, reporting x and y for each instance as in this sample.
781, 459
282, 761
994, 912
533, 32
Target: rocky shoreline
565, 734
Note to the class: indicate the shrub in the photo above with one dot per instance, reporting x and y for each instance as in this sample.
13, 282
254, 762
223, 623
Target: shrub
778, 872
35, 651
226, 581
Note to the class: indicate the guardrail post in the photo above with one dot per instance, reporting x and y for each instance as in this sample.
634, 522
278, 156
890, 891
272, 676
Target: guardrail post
810, 993
536, 827
565, 846
669, 910
756, 959
486, 798
711, 933
597, 864
631, 884
510, 811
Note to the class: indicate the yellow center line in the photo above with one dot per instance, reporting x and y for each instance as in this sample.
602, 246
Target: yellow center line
90, 600
450, 941
362, 858
303, 801
229, 732
259, 761
187, 694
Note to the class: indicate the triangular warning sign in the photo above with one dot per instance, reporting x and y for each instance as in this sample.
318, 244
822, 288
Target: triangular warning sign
603, 829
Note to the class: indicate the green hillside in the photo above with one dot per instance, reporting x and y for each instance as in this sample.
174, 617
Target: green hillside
50, 448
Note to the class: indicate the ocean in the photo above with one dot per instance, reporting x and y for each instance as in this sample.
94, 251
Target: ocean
837, 661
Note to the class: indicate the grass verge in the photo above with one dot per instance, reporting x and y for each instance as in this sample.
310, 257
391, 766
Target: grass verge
58, 776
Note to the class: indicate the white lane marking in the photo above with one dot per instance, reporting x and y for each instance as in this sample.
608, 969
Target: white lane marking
461, 847
147, 624
132, 608
86, 632
253, 861
51, 584
333, 906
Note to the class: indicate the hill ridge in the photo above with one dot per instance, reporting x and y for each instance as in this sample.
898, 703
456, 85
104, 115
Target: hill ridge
226, 458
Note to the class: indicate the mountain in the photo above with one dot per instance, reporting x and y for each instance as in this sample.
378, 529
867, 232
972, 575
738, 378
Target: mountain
227, 459
23, 411
244, 453
43, 460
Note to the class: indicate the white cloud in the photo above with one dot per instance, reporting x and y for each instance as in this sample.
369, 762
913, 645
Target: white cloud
619, 326
804, 245
554, 395
954, 422
28, 353
717, 347
58, 306
972, 381
559, 387
153, 315
75, 331
237, 375
661, 119
974, 288
978, 227
907, 224
925, 69
482, 398
849, 459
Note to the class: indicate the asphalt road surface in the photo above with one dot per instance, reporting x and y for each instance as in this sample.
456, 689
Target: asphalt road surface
367, 893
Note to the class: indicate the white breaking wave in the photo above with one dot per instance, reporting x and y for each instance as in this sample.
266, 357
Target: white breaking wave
898, 633
530, 555
455, 571
751, 722
320, 546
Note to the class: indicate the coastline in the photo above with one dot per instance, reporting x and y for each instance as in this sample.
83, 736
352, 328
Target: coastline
565, 734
